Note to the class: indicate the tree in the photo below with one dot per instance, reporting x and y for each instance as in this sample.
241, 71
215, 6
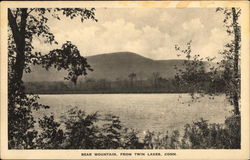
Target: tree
156, 76
227, 74
131, 77
24, 25
231, 54
193, 75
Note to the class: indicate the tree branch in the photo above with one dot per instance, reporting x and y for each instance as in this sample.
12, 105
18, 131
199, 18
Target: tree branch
12, 56
13, 26
32, 9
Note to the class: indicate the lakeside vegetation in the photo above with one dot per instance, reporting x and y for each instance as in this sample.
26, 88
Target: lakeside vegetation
93, 86
77, 130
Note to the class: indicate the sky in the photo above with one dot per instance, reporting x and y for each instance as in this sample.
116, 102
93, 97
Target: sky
150, 32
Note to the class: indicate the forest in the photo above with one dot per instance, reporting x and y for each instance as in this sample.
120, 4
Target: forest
154, 84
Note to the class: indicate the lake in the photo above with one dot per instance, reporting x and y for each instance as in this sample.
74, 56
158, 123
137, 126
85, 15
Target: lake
154, 112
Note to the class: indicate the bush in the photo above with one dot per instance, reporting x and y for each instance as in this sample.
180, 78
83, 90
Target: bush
199, 135
51, 137
82, 131
78, 130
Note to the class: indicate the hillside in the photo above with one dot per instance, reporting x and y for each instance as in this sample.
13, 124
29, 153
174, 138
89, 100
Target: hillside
112, 66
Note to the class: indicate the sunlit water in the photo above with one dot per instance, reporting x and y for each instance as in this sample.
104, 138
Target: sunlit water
154, 112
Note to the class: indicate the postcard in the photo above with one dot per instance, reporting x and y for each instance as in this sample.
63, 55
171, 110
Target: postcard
125, 80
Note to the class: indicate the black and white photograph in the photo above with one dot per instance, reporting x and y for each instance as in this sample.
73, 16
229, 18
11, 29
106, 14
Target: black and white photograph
125, 78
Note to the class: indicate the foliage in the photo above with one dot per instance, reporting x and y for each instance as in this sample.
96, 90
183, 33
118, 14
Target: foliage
27, 23
24, 25
78, 130
111, 132
226, 73
130, 139
204, 135
199, 76
233, 125
150, 85
131, 77
21, 131
231, 53
51, 136
223, 78
81, 131
198, 135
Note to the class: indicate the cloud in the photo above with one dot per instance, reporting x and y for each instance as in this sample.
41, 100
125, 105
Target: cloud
216, 41
165, 17
114, 36
152, 33
194, 24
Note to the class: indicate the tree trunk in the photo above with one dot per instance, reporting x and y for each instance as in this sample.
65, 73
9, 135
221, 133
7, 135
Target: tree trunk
237, 39
19, 38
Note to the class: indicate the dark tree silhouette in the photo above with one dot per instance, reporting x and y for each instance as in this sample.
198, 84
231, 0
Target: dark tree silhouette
156, 76
131, 77
231, 54
24, 25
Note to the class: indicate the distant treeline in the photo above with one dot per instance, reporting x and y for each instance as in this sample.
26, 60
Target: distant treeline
157, 85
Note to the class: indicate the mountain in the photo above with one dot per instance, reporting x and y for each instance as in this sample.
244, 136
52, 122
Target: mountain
112, 66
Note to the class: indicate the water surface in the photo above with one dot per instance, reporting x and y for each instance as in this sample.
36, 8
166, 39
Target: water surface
155, 112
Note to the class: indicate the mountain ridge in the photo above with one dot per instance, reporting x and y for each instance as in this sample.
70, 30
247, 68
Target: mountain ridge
113, 66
